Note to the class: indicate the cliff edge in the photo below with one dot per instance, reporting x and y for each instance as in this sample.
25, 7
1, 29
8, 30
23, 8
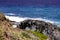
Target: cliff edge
7, 32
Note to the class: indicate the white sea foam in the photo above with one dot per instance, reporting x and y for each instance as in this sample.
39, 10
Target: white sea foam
18, 19
10, 14
14, 18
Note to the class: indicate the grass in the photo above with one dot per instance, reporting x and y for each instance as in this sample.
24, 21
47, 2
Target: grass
1, 38
21, 35
38, 34
25, 35
1, 35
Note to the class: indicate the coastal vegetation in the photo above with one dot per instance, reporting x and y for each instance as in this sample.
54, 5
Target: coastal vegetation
7, 32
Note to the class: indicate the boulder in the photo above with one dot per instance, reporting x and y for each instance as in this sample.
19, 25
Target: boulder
48, 29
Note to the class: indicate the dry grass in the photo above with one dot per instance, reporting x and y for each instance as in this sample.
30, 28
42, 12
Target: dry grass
9, 33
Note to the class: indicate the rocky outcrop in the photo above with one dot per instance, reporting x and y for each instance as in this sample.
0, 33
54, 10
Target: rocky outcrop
4, 20
7, 32
48, 29
2, 17
4, 26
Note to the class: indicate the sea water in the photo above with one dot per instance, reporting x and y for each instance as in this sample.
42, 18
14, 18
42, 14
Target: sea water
47, 14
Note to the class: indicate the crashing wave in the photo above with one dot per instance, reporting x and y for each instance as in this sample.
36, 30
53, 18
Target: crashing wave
19, 19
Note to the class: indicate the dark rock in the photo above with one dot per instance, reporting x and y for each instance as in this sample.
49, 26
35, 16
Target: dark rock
2, 17
48, 29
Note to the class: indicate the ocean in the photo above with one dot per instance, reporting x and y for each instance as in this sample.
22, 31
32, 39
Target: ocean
20, 13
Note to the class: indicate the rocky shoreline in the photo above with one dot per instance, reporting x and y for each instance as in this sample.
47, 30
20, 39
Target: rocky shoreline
48, 29
11, 30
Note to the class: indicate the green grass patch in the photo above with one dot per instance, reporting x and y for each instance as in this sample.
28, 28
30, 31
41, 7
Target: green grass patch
38, 34
25, 35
